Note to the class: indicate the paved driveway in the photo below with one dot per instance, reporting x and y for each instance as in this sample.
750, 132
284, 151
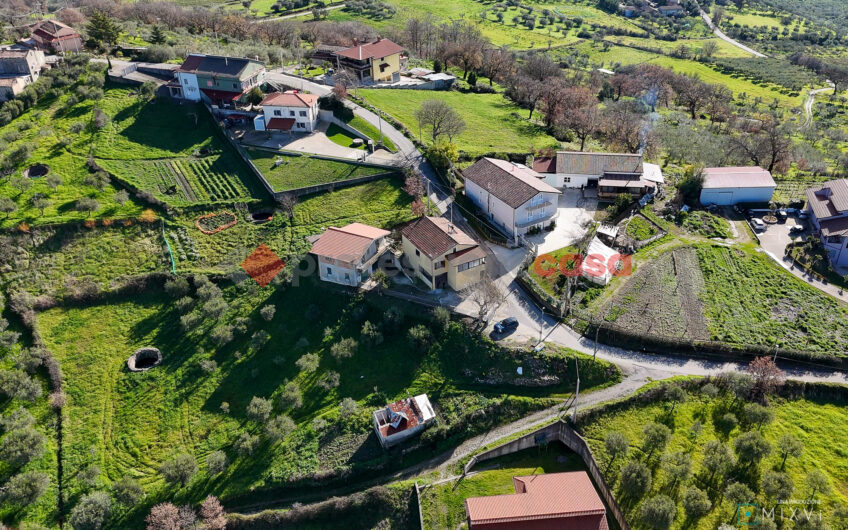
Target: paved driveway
571, 224
777, 237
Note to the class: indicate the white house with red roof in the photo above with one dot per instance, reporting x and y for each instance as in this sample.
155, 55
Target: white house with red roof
372, 62
350, 254
288, 111
513, 196
402, 419
554, 500
725, 186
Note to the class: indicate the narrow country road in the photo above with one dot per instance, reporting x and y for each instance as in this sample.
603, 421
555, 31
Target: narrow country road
808, 104
720, 34
295, 15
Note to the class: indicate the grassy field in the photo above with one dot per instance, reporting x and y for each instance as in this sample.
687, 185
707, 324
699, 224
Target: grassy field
640, 228
341, 137
301, 171
818, 424
443, 505
493, 123
553, 284
129, 423
706, 224
66, 260
371, 132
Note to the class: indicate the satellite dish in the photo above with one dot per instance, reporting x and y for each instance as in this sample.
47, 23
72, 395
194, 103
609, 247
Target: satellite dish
520, 370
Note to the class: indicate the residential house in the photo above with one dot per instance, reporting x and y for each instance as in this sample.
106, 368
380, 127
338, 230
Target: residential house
442, 255
543, 502
18, 68
349, 255
725, 186
402, 419
611, 173
53, 36
827, 205
378, 61
672, 10
217, 80
513, 196
288, 111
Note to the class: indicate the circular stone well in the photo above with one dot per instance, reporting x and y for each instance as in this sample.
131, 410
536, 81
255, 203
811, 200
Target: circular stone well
36, 170
144, 359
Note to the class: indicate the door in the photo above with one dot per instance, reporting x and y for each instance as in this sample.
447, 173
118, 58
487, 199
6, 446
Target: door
441, 281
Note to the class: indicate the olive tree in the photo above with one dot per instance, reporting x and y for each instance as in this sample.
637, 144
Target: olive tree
180, 469
696, 503
91, 512
658, 512
635, 479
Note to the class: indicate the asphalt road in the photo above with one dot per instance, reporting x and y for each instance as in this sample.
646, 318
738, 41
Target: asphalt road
720, 34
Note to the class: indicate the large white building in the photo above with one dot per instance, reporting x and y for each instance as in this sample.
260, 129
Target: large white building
724, 186
512, 196
288, 111
828, 208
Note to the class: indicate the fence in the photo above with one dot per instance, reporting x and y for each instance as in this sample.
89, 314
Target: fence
564, 433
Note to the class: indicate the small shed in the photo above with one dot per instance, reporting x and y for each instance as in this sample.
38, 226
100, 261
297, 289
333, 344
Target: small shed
724, 186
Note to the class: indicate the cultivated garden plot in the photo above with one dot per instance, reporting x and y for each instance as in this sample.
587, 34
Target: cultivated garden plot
713, 443
282, 381
662, 298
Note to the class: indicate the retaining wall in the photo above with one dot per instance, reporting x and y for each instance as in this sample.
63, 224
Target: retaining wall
564, 433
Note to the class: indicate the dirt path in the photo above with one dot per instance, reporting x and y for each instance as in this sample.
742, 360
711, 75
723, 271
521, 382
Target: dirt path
720, 34
808, 105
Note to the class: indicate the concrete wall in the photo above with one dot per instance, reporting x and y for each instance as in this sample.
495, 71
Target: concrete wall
191, 90
564, 433
567, 180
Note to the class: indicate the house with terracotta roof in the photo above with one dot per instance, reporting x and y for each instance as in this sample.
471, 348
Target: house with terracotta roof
53, 36
215, 79
513, 196
350, 254
544, 502
372, 62
402, 419
288, 111
442, 255
827, 205
726, 186
612, 173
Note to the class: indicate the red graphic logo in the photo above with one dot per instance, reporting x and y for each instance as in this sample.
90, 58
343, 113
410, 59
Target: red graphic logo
574, 265
262, 265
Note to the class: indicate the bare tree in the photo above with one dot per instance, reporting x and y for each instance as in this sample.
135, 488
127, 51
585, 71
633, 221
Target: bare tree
767, 376
485, 294
766, 143
439, 118
623, 125
287, 203
497, 64
585, 122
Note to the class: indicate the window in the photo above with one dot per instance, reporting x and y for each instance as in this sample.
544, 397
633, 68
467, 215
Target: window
291, 113
278, 113
440, 264
301, 125
329, 270
566, 179
303, 113
471, 264
347, 277
235, 85
417, 253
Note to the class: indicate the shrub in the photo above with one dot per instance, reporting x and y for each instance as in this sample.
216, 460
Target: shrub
291, 397
179, 470
208, 365
20, 418
27, 487
18, 385
658, 512
91, 512
308, 362
259, 409
222, 335
177, 287
246, 444
127, 491
267, 312
635, 479
22, 445
393, 318
348, 407
419, 337
343, 349
259, 339
371, 335
329, 380
441, 318
279, 428
216, 462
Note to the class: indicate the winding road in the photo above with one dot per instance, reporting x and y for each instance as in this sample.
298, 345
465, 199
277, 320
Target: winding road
808, 104
720, 34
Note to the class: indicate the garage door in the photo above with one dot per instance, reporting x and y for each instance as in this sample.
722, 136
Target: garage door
724, 197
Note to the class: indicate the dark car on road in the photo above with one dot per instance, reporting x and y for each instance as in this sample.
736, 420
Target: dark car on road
506, 325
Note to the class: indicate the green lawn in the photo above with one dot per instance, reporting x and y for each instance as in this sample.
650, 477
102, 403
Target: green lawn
371, 132
298, 171
129, 423
341, 137
819, 424
704, 223
493, 123
554, 283
443, 505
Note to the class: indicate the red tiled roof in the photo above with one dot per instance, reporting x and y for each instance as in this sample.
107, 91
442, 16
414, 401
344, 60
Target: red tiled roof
829, 199
569, 499
514, 184
544, 165
290, 99
465, 256
280, 124
347, 244
737, 177
224, 95
435, 235
379, 48
54, 29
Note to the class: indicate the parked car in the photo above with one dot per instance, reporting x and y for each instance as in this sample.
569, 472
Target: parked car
781, 215
803, 214
505, 325
758, 225
796, 228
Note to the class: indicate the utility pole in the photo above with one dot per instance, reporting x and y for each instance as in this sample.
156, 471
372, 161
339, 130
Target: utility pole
427, 204
595, 352
577, 392
380, 123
